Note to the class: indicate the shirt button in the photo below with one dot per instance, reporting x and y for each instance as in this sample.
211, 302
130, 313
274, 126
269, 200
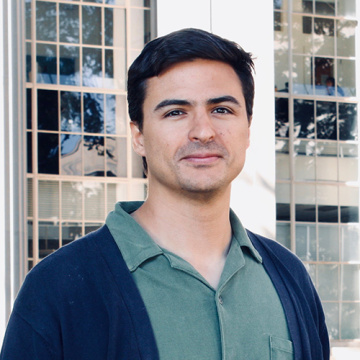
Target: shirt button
221, 301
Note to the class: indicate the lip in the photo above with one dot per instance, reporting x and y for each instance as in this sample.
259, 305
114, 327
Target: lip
202, 158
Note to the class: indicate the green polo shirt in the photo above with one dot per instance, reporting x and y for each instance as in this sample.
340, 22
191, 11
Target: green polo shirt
242, 319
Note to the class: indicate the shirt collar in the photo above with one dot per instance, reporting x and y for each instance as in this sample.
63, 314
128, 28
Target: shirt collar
125, 230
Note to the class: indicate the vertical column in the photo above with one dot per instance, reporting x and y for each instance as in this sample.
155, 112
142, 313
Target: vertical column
12, 156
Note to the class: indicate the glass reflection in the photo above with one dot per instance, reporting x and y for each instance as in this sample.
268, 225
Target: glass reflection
70, 232
47, 103
71, 200
346, 76
71, 154
351, 282
94, 162
324, 70
93, 112
350, 243
48, 238
328, 282
91, 25
70, 111
94, 196
28, 19
332, 319
326, 120
280, 4
348, 162
69, 65
28, 62
346, 8
282, 117
306, 242
46, 21
305, 6
29, 152
28, 109
140, 28
304, 126
69, 23
328, 242
302, 34
346, 37
302, 75
115, 2
283, 234
350, 321
92, 67
324, 40
116, 114
327, 161
304, 152
282, 159
115, 17
324, 8
46, 63
281, 47
116, 157
348, 129
48, 153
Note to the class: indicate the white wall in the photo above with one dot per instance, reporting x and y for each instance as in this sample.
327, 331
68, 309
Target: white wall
253, 195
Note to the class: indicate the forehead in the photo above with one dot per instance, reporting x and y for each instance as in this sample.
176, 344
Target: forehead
196, 79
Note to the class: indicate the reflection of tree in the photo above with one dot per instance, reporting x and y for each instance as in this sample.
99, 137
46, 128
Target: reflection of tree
348, 121
281, 117
304, 118
69, 23
91, 25
93, 113
326, 120
70, 111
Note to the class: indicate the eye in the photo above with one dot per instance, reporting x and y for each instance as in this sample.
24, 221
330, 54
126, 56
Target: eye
174, 113
222, 110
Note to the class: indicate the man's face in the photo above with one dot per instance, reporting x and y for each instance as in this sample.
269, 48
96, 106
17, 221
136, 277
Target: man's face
195, 129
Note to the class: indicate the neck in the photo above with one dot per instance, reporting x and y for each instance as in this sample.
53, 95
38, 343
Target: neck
195, 228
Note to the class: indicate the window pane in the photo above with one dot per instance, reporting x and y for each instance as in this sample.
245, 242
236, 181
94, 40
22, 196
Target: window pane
69, 65
115, 27
346, 37
305, 6
348, 128
350, 321
304, 159
28, 62
29, 189
48, 238
302, 34
304, 119
346, 77
90, 227
116, 111
328, 242
48, 118
30, 239
306, 242
324, 39
137, 165
71, 198
48, 199
328, 213
350, 243
92, 67
283, 234
324, 8
332, 319
91, 25
282, 117
29, 151
69, 23
46, 64
346, 8
94, 200
350, 282
70, 111
326, 120
116, 156
70, 232
115, 192
28, 109
28, 19
46, 21
302, 75
328, 282
140, 28
327, 160
48, 153
93, 113
349, 204
94, 162
282, 159
71, 157
115, 69
348, 162
324, 69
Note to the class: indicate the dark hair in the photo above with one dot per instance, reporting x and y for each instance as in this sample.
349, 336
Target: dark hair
180, 46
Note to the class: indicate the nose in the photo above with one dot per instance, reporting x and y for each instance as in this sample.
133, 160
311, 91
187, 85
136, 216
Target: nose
202, 128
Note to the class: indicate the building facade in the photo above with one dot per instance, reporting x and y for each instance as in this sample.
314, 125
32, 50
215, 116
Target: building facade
67, 155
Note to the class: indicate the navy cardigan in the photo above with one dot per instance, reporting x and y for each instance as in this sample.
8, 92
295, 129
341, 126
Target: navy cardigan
81, 303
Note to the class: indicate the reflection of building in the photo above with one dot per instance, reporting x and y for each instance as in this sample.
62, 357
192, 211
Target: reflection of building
78, 159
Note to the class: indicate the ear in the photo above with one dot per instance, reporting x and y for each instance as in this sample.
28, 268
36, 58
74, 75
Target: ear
137, 139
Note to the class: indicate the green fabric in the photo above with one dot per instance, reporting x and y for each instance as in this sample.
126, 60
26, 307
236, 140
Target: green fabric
241, 319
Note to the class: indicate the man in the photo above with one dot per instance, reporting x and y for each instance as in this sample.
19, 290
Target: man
175, 277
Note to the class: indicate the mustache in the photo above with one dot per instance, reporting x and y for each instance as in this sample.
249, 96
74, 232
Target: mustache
197, 147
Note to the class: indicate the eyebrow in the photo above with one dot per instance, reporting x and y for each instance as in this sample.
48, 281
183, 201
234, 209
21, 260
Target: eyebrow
180, 102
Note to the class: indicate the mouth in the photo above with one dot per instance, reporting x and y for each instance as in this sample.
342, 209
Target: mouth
202, 158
